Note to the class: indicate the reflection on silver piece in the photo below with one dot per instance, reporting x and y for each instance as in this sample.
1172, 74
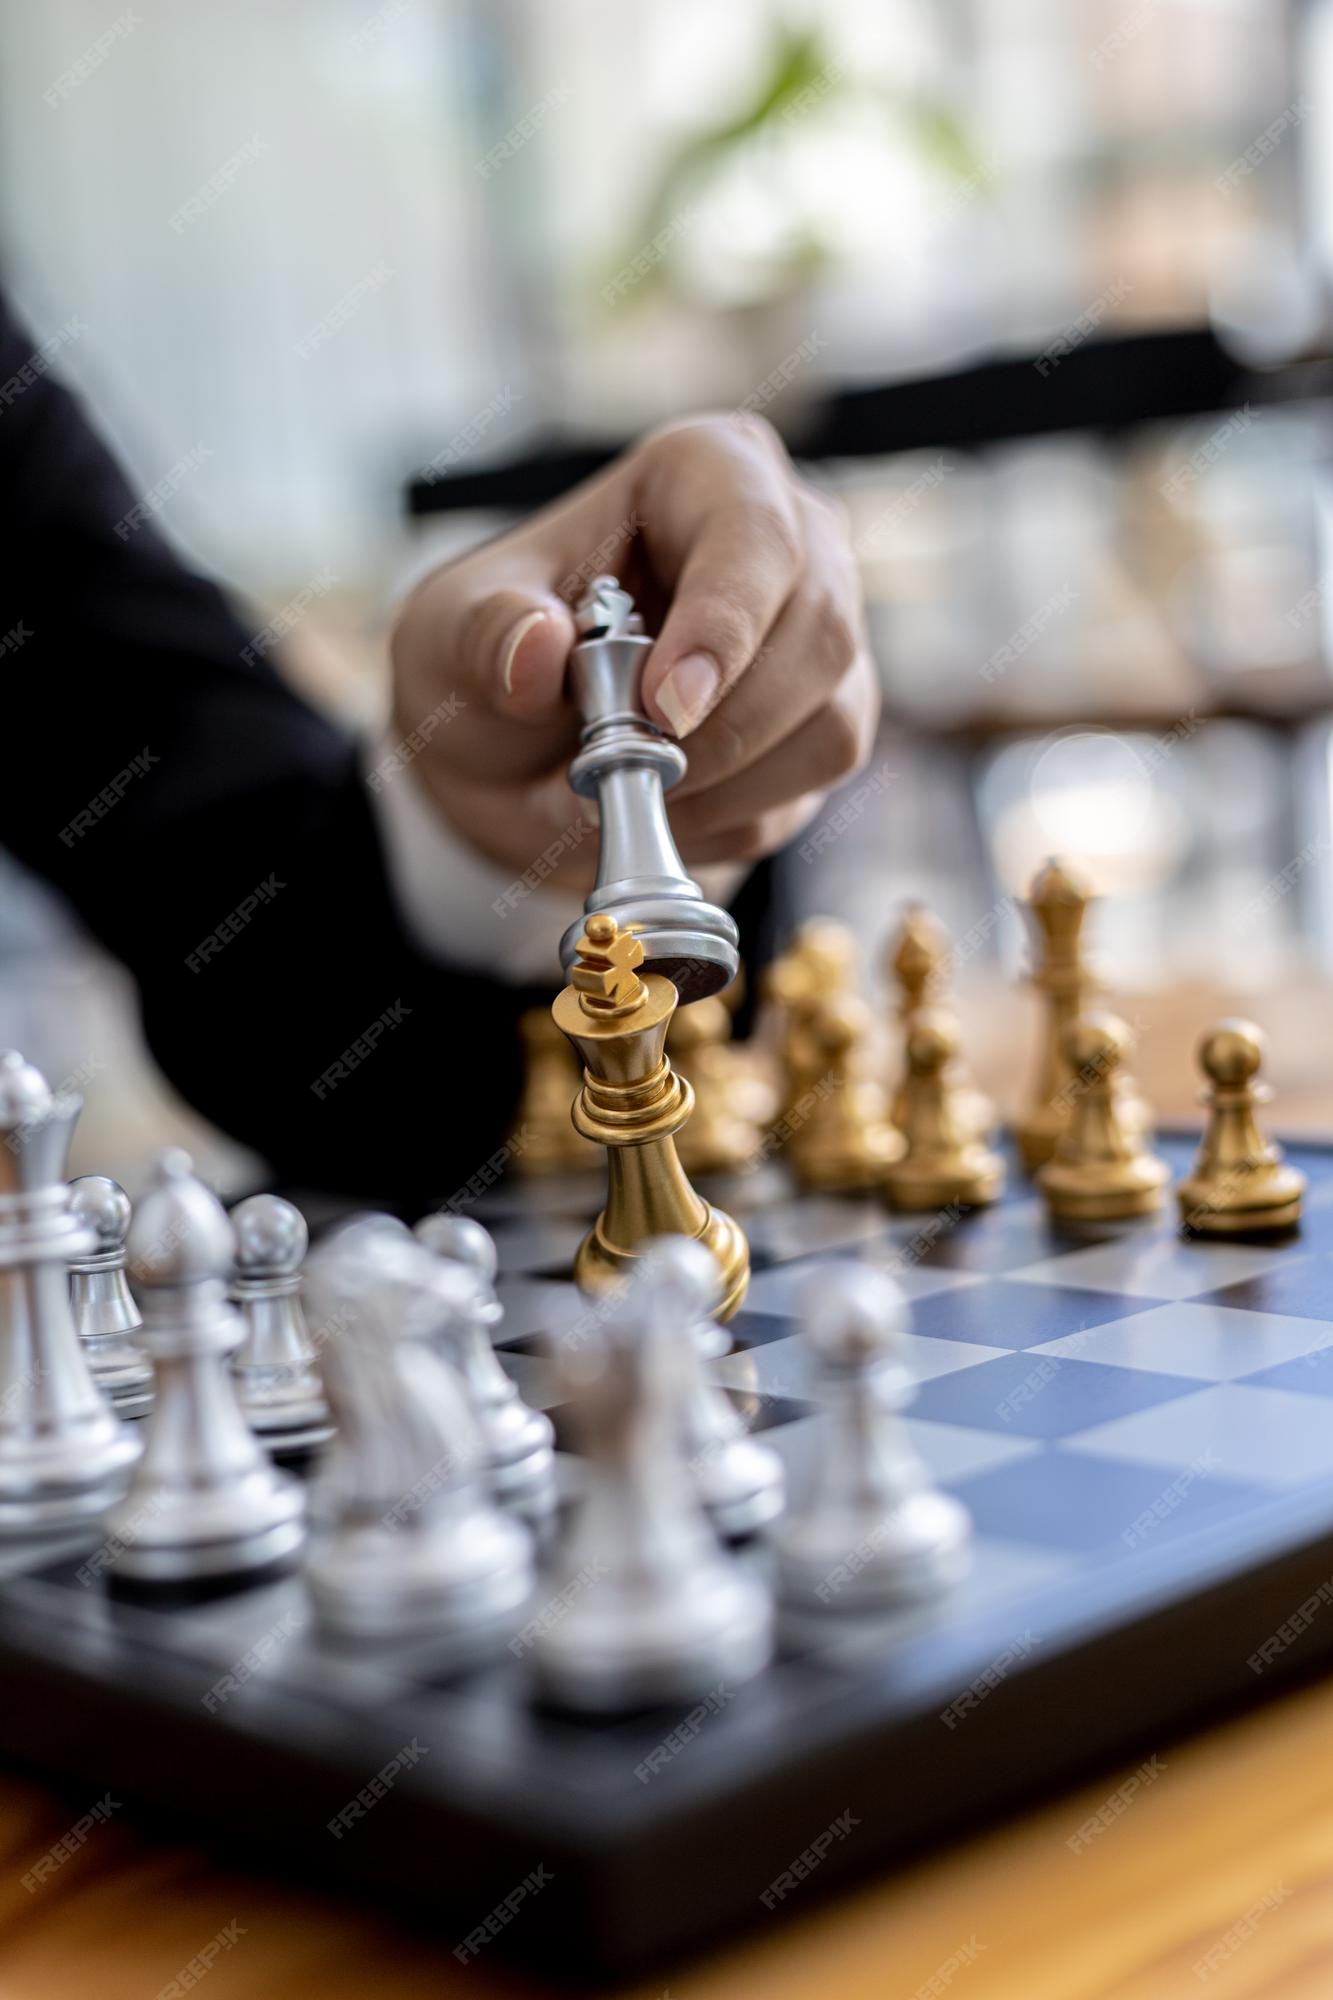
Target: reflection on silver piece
626, 764
276, 1380
105, 1315
64, 1455
652, 1608
204, 1501
739, 1480
869, 1530
520, 1456
406, 1539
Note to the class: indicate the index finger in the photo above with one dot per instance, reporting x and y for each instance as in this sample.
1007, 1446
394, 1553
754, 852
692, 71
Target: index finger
725, 537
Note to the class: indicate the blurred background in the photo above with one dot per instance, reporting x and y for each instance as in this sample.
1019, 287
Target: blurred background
1041, 291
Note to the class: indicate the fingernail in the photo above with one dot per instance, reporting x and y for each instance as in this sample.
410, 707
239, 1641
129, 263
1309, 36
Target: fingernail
688, 692
516, 637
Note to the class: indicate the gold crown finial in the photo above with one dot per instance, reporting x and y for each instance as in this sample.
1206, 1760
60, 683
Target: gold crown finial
606, 973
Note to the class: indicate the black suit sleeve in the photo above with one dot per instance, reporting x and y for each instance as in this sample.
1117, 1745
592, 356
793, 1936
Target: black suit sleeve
215, 834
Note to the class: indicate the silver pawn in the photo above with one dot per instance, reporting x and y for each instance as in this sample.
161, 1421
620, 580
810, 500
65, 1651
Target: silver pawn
740, 1481
869, 1530
64, 1455
654, 1609
204, 1502
406, 1540
105, 1315
276, 1381
519, 1441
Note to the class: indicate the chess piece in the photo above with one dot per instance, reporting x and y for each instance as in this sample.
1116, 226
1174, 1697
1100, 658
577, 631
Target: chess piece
544, 1140
840, 1135
1058, 904
869, 1530
943, 1161
1239, 1184
205, 1502
105, 1315
632, 1103
654, 1609
626, 764
405, 1540
740, 1481
277, 1384
918, 961
520, 1458
64, 1455
1100, 1171
722, 1136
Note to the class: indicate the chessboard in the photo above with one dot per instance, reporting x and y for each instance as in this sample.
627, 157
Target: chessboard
1138, 1424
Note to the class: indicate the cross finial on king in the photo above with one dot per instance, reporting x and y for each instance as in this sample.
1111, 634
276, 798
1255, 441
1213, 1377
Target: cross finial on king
606, 972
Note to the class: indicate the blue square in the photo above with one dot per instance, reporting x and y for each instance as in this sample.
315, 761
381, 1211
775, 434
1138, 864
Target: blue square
991, 1239
1004, 1312
1301, 1287
1095, 1505
1307, 1374
1027, 1395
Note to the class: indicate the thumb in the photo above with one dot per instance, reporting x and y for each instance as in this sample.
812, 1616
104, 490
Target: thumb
515, 647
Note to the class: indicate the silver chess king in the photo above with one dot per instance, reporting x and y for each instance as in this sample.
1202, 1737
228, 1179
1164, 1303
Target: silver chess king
627, 764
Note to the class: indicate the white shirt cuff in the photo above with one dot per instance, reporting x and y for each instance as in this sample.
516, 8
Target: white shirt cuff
465, 910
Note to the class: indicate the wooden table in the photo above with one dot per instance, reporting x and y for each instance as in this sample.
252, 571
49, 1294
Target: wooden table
1236, 1818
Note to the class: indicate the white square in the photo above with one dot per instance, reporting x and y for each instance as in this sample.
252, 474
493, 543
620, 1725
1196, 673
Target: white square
1216, 1343
775, 1290
1151, 1267
783, 1367
1265, 1437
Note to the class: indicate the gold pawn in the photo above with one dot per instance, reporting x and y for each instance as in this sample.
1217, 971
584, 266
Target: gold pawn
1100, 1171
945, 1160
632, 1103
917, 963
722, 1136
841, 1135
543, 1141
1239, 1184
